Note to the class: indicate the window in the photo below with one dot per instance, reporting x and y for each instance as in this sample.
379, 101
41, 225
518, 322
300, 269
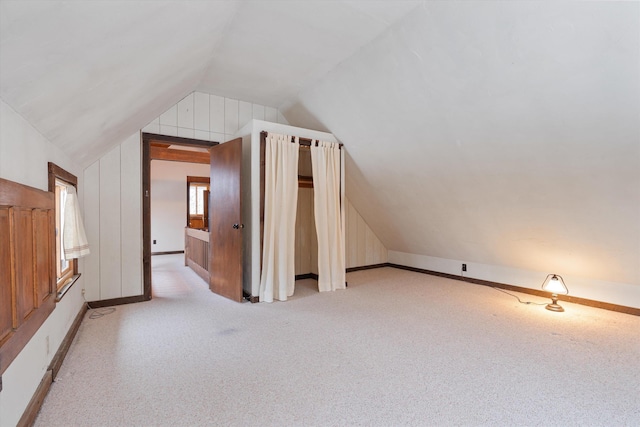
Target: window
198, 202
66, 270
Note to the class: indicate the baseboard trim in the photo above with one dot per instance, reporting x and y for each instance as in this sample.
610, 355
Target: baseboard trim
367, 267
167, 253
57, 360
568, 298
117, 301
251, 298
31, 412
313, 276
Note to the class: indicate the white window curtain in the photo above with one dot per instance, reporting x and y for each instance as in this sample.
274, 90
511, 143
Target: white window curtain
325, 161
74, 238
280, 203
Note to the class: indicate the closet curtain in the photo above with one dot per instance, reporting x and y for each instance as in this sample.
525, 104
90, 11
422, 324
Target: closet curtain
280, 203
74, 238
325, 162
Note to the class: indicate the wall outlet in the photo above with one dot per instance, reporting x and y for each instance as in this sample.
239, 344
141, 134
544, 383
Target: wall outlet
464, 267
154, 242
47, 344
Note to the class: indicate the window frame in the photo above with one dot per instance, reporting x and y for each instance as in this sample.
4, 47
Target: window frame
63, 283
198, 181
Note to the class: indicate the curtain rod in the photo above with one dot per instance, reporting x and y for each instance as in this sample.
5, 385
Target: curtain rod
305, 142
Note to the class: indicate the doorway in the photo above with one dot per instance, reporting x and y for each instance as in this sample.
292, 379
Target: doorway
158, 147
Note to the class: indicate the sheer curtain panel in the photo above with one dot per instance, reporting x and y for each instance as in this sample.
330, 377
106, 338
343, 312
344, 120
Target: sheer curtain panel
325, 162
277, 279
74, 238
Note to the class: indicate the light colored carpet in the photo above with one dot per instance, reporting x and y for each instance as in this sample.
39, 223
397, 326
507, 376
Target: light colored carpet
396, 348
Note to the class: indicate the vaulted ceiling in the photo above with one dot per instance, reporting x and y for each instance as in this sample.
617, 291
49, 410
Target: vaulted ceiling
503, 133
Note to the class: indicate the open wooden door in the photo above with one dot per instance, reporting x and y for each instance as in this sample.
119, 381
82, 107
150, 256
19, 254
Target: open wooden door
225, 222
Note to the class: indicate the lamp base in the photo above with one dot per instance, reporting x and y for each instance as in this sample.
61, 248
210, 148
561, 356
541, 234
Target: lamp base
554, 307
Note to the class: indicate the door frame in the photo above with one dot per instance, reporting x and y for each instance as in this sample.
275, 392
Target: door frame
147, 139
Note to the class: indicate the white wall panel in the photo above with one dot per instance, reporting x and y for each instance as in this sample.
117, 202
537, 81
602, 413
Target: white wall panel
92, 227
231, 116
258, 112
131, 215
216, 114
362, 245
201, 111
170, 117
110, 247
185, 112
271, 114
245, 113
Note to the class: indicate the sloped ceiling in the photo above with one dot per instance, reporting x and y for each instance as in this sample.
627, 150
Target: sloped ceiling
496, 132
506, 133
87, 74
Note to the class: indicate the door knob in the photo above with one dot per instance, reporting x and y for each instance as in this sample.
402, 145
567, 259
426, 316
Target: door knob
237, 226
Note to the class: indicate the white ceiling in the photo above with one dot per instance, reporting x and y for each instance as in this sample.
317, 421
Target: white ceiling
497, 132
88, 73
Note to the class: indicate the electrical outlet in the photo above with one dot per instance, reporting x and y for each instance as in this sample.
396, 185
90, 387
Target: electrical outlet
154, 242
464, 267
47, 344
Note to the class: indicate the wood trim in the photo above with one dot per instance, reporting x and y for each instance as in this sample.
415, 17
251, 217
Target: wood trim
146, 217
31, 412
14, 194
57, 360
117, 301
176, 140
173, 155
167, 253
62, 174
147, 139
568, 298
251, 298
56, 171
304, 142
313, 276
367, 267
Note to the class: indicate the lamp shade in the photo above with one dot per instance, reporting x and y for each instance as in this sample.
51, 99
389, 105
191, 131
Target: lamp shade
555, 285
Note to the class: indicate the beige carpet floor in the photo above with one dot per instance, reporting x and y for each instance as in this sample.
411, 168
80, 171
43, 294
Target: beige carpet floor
396, 348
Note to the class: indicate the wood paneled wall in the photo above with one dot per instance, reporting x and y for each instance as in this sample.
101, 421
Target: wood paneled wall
113, 221
362, 245
27, 270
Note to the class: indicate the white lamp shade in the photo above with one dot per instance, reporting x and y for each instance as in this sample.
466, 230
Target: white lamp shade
555, 285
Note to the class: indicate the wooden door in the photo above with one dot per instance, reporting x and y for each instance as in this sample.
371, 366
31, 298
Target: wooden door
225, 221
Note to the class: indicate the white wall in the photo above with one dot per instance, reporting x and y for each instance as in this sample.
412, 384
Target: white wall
113, 221
210, 117
169, 202
24, 154
362, 245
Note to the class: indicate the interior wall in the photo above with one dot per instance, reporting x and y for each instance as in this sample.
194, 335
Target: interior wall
210, 117
306, 248
24, 154
501, 142
169, 202
113, 221
362, 246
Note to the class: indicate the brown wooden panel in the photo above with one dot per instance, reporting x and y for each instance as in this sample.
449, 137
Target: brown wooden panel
42, 252
24, 261
6, 316
226, 221
26, 217
173, 155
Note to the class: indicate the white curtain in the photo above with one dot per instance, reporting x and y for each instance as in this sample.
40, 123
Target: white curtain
280, 202
325, 161
74, 238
